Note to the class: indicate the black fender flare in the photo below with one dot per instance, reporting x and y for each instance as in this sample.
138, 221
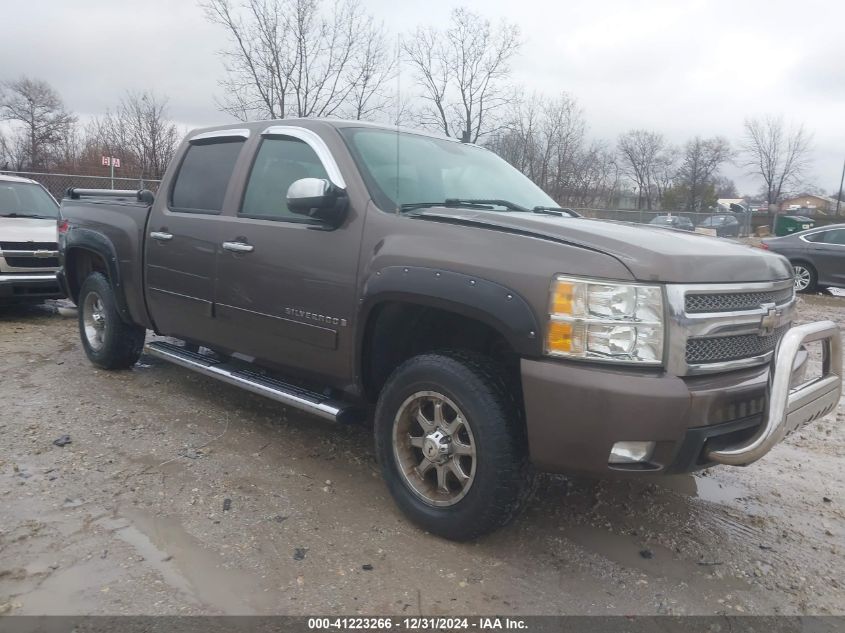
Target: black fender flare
489, 302
99, 244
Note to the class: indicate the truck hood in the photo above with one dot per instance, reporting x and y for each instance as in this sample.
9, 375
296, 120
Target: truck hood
28, 230
650, 253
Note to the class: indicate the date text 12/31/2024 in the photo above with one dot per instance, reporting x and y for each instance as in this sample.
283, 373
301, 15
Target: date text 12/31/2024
420, 623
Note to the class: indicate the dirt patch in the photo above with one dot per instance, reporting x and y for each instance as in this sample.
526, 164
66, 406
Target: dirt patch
179, 495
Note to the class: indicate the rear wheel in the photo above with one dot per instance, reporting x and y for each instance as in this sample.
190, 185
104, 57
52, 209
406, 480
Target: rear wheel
451, 444
805, 277
109, 342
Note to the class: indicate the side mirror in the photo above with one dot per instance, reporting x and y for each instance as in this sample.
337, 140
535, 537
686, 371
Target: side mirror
318, 198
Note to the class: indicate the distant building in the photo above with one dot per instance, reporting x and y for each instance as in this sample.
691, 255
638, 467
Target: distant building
809, 202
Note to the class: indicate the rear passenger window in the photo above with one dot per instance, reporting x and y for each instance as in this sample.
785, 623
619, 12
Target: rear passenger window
280, 162
836, 236
204, 176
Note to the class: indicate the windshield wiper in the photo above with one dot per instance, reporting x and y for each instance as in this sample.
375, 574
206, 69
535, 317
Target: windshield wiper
467, 203
559, 211
410, 206
485, 204
495, 202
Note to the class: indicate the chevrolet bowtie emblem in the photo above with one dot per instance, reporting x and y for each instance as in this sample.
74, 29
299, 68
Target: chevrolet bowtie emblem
770, 319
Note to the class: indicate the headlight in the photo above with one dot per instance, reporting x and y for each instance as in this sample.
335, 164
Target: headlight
605, 321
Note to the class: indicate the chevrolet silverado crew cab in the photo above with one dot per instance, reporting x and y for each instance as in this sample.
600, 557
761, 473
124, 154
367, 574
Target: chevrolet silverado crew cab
358, 271
29, 253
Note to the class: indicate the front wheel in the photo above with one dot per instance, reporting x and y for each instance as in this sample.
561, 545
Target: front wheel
109, 341
805, 277
451, 443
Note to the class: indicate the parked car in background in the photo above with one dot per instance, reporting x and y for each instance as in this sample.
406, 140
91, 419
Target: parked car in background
673, 222
725, 224
817, 256
28, 242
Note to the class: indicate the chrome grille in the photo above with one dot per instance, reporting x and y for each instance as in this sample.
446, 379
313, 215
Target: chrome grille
30, 254
32, 262
28, 246
719, 349
735, 302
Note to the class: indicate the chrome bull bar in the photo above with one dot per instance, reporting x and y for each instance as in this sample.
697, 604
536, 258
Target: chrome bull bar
790, 409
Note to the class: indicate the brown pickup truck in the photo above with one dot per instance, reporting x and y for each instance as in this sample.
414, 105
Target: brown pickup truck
362, 272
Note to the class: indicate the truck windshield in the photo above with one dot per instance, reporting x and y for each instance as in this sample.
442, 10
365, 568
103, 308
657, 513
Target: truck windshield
412, 171
26, 200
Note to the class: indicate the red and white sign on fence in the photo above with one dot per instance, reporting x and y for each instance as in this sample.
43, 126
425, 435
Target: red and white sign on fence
111, 161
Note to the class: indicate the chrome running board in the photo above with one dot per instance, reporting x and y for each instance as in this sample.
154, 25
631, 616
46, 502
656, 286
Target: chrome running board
261, 384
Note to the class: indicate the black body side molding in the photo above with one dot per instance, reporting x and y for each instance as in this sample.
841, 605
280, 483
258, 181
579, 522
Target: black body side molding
480, 299
97, 243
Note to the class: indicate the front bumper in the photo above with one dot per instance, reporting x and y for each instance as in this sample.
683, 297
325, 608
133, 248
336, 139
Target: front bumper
576, 413
29, 287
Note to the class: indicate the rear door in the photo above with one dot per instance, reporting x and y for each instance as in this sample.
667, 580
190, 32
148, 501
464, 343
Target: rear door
285, 283
184, 236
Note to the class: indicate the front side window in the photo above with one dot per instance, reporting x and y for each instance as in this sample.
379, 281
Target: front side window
204, 175
26, 200
280, 162
405, 169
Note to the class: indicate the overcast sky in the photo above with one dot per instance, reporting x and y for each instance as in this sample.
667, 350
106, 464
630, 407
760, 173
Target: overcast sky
683, 67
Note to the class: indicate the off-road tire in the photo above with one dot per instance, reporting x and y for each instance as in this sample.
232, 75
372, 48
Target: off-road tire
121, 343
503, 479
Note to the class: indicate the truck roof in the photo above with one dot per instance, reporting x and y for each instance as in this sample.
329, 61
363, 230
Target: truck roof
256, 127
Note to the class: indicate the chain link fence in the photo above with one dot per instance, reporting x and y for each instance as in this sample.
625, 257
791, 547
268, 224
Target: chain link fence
749, 224
746, 223
57, 184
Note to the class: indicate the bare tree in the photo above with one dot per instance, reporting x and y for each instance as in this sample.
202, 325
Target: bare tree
287, 59
665, 171
152, 138
546, 140
138, 132
701, 161
639, 153
462, 73
7, 153
725, 187
779, 156
40, 120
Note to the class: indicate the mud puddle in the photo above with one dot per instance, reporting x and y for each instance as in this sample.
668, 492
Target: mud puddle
186, 565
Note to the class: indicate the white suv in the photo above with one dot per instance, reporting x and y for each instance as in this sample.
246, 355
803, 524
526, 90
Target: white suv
28, 242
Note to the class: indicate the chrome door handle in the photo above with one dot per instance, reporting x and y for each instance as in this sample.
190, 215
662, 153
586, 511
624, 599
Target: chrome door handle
238, 247
161, 236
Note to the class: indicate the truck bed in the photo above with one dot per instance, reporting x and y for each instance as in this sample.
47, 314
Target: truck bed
120, 219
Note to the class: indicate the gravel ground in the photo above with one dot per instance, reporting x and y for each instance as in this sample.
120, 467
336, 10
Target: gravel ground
180, 495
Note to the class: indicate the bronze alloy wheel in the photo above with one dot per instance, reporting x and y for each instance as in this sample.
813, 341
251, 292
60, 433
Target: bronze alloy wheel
434, 448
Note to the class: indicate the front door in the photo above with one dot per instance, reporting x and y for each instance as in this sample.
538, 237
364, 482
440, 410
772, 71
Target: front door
184, 237
285, 292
